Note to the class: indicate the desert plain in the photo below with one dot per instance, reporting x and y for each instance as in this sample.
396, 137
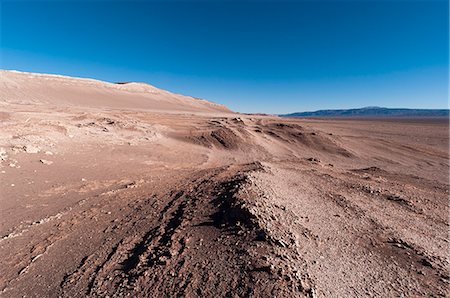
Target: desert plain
127, 190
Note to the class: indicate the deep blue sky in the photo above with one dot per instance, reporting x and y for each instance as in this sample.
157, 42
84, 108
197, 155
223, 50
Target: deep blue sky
253, 56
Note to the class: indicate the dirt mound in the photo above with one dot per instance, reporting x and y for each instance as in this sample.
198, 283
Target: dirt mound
370, 170
307, 138
221, 138
206, 242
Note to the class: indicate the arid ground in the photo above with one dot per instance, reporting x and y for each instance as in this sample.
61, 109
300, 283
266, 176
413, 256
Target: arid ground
127, 190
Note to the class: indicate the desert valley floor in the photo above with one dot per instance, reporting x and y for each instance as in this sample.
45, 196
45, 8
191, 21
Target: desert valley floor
128, 190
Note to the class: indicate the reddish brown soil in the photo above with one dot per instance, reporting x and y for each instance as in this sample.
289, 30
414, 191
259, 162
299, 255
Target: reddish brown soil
117, 202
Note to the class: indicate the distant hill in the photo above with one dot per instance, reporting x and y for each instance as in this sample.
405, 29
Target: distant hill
27, 88
373, 112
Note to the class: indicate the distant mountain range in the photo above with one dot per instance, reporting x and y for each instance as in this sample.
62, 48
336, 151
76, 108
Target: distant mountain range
373, 112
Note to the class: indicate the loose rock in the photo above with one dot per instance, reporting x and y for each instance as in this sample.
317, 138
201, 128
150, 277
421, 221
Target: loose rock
31, 149
46, 162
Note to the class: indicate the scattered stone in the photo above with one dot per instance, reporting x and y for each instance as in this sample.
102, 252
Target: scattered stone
162, 260
109, 121
31, 149
3, 155
425, 262
312, 293
46, 162
313, 159
281, 243
82, 179
131, 185
48, 153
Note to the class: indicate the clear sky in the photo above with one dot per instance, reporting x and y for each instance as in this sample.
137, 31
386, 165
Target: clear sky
253, 56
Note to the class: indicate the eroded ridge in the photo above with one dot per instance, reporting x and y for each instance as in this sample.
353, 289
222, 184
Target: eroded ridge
210, 239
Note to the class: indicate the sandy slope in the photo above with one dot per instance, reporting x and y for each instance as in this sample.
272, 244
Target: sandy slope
43, 89
117, 201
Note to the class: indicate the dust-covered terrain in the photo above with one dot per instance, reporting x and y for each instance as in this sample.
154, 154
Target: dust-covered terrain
128, 190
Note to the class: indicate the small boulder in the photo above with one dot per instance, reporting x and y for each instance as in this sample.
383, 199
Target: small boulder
3, 155
313, 159
46, 162
31, 149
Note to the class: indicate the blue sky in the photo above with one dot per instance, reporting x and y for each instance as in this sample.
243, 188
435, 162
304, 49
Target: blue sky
253, 56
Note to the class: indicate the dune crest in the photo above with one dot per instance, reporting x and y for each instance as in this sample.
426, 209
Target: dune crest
47, 89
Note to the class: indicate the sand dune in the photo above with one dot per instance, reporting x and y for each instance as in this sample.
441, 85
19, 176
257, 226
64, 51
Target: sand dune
126, 190
43, 89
